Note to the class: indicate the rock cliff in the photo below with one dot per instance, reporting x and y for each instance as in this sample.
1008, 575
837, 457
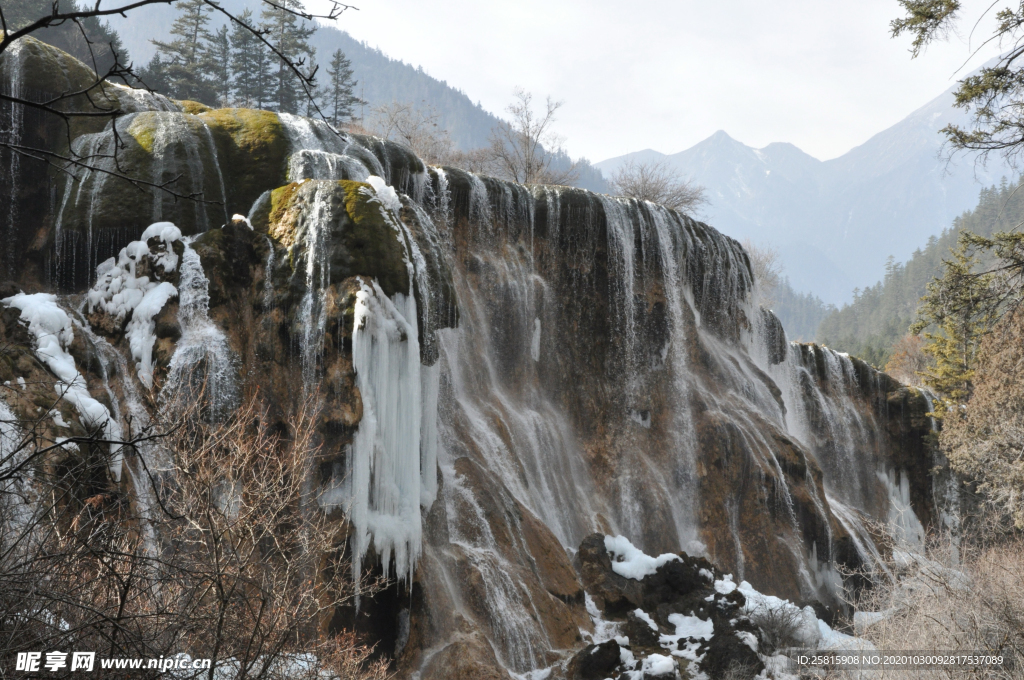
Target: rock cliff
499, 370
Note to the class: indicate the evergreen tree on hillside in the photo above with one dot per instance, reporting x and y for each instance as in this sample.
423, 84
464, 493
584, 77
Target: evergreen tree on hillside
250, 66
314, 91
880, 315
341, 88
185, 61
154, 75
290, 37
219, 56
957, 306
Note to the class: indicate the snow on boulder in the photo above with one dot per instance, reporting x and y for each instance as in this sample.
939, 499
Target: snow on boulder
53, 332
130, 290
630, 561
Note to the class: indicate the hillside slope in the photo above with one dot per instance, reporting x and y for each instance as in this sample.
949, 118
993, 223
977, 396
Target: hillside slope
880, 314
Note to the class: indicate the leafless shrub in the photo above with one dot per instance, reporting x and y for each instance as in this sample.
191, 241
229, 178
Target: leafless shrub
219, 551
939, 604
658, 182
418, 127
779, 626
767, 269
907, 359
523, 148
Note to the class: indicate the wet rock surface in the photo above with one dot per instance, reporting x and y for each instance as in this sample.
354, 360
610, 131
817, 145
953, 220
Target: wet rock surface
714, 632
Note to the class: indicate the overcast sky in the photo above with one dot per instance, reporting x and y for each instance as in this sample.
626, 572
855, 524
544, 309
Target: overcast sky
665, 74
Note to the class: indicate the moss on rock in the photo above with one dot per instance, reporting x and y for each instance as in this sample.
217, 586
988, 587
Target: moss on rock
195, 108
253, 153
359, 242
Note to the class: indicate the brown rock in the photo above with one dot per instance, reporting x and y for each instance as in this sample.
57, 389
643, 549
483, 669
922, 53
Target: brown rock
468, 657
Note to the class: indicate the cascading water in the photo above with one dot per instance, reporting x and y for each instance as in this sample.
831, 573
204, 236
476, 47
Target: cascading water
320, 152
203, 362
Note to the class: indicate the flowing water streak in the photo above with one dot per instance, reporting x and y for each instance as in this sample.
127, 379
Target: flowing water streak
171, 131
203, 362
511, 612
208, 137
151, 458
318, 278
11, 73
683, 429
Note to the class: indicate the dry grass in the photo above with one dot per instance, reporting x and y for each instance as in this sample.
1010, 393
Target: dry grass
935, 605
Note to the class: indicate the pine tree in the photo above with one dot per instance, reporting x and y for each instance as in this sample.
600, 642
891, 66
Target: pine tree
341, 89
218, 55
290, 37
250, 65
184, 60
960, 307
314, 91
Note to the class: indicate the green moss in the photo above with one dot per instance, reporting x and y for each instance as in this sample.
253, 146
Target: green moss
372, 242
143, 131
360, 241
359, 207
281, 199
189, 106
253, 153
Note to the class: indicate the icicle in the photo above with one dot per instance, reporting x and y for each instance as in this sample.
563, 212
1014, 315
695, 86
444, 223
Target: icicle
385, 460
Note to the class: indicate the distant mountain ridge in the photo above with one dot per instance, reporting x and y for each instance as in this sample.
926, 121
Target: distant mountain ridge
835, 222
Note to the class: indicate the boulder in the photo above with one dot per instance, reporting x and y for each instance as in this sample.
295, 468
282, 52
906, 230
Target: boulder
595, 662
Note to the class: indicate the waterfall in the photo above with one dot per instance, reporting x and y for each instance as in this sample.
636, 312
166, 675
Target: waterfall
562, 362
318, 277
321, 152
203, 362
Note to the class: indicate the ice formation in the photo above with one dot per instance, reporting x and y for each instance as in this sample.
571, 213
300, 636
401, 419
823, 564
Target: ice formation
52, 329
385, 461
122, 291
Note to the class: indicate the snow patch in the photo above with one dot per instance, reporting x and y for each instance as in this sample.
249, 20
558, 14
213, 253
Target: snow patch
630, 561
384, 194
121, 292
642, 615
53, 332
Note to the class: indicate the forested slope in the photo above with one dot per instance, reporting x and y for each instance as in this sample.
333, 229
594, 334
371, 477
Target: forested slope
881, 314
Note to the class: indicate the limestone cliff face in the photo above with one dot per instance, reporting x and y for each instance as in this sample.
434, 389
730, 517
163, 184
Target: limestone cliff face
499, 370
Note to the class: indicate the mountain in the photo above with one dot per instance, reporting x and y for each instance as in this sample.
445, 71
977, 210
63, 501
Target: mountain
880, 315
836, 222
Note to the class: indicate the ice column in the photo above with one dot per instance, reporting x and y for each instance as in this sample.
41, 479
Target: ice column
385, 457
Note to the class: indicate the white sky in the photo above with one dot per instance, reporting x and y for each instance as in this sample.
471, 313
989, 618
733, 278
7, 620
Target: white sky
665, 74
